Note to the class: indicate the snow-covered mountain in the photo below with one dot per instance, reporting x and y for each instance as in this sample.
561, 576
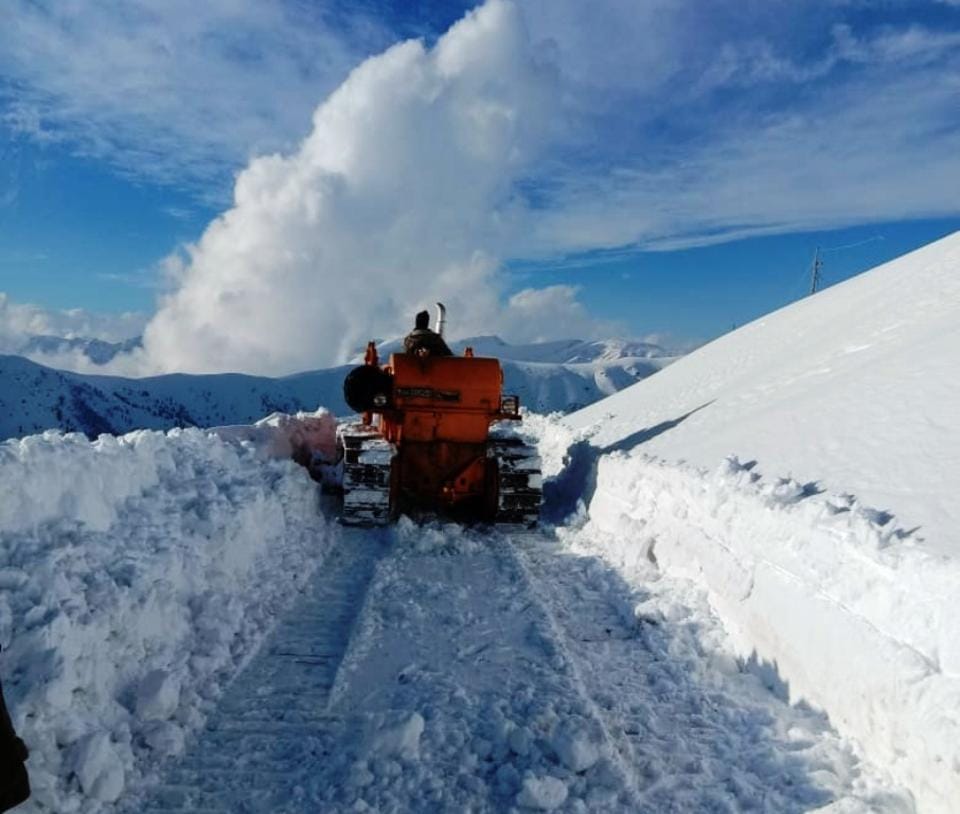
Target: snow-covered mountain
34, 398
566, 351
54, 349
97, 351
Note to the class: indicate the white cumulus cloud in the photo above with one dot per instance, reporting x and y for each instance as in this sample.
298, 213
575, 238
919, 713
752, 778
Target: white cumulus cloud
403, 193
542, 314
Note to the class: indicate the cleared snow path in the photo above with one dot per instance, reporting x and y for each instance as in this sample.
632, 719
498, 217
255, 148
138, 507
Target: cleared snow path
432, 668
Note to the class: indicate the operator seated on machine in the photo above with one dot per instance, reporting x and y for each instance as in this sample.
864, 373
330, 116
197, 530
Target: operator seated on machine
422, 341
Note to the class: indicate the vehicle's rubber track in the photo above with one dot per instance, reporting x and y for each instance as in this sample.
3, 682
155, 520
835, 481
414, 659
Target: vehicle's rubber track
367, 462
271, 726
520, 483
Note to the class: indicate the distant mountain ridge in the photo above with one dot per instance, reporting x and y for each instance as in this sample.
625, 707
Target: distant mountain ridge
564, 351
98, 351
34, 397
560, 351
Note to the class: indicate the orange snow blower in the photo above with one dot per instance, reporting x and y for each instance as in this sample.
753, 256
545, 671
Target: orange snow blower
426, 444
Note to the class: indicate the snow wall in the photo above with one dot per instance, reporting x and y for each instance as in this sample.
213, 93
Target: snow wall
137, 574
829, 599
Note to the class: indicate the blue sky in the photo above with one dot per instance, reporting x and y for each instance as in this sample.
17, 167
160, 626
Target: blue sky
691, 295
689, 159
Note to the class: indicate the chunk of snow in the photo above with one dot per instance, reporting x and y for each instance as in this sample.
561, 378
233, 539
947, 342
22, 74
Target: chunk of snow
98, 768
397, 735
520, 740
157, 696
301, 436
577, 745
165, 738
543, 793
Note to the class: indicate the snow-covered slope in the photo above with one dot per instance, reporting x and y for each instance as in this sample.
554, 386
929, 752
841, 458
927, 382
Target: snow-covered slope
34, 398
805, 470
856, 388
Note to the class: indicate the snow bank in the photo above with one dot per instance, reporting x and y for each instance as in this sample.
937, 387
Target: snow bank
825, 595
136, 575
304, 437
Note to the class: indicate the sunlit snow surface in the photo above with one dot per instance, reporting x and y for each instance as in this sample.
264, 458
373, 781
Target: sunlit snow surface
856, 389
136, 576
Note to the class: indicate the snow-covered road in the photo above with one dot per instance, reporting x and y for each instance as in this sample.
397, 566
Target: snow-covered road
433, 668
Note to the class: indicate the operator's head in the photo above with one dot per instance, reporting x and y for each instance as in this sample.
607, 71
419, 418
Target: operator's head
423, 320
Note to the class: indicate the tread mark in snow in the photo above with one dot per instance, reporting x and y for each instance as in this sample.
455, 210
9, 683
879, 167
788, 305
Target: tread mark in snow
692, 738
272, 722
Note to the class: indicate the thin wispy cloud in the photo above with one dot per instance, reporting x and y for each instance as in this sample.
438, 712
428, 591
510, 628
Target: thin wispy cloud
668, 111
178, 92
865, 154
178, 212
760, 126
139, 278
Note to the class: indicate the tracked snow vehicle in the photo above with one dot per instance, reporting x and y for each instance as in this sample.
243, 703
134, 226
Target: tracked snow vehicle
435, 438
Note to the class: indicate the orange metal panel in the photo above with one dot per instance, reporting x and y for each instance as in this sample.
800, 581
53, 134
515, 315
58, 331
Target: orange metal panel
445, 398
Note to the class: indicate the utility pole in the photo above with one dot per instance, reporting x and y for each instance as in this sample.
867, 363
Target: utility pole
815, 272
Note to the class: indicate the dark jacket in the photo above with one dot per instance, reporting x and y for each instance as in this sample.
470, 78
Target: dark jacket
14, 783
425, 340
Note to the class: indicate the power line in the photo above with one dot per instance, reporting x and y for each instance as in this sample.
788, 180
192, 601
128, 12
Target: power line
853, 245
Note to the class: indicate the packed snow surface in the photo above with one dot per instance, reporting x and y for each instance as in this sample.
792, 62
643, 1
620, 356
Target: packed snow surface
805, 470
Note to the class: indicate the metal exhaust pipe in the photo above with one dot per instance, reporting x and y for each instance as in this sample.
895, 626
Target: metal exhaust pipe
441, 318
